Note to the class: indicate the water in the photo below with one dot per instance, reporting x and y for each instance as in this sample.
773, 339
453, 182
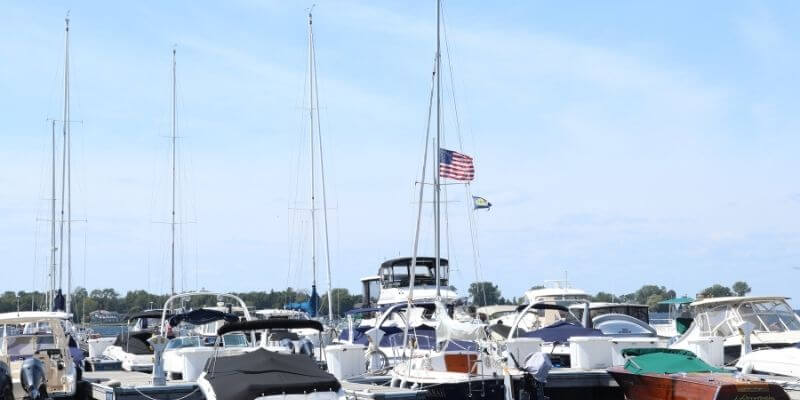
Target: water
108, 330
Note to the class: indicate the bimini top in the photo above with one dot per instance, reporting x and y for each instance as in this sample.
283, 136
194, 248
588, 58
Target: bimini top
32, 316
263, 373
156, 314
737, 299
202, 316
428, 261
561, 331
264, 324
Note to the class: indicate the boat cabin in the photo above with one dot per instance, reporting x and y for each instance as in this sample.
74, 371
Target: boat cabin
721, 316
557, 292
774, 323
394, 279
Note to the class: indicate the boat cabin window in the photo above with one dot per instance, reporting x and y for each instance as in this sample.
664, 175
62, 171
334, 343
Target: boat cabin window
771, 316
183, 342
27, 345
398, 275
622, 328
766, 316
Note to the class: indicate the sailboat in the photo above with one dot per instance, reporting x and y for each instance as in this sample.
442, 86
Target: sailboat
140, 357
315, 135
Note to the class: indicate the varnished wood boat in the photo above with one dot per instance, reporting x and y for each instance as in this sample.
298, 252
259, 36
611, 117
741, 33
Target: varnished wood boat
669, 374
693, 386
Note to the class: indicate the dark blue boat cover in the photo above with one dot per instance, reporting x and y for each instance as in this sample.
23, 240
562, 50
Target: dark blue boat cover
561, 331
393, 336
202, 316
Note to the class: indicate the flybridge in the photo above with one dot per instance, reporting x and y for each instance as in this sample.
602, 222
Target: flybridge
393, 282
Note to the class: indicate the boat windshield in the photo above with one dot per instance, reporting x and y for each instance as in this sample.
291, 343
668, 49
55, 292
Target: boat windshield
23, 346
183, 342
766, 316
234, 340
770, 316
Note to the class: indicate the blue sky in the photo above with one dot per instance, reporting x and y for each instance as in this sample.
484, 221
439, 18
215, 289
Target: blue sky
623, 142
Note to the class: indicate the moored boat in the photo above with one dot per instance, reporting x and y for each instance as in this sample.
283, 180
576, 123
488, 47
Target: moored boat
662, 374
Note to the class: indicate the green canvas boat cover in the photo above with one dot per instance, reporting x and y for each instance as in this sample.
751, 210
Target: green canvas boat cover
665, 361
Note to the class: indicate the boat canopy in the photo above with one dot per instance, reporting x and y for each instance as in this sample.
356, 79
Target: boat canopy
561, 331
263, 373
202, 316
679, 300
264, 324
664, 361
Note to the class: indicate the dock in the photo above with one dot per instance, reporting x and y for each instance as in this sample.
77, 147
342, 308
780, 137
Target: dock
119, 385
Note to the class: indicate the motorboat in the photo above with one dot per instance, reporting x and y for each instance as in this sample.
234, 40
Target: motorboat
39, 362
678, 318
780, 366
775, 324
186, 353
392, 284
657, 374
455, 366
263, 374
296, 335
384, 340
130, 347
558, 293
493, 314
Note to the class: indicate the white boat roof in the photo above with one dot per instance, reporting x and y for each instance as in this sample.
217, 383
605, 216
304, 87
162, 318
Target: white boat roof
32, 316
370, 278
489, 310
736, 299
604, 305
546, 292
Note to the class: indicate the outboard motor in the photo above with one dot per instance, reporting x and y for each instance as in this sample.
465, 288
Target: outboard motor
537, 367
32, 379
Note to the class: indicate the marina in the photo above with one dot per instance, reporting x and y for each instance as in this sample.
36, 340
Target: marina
615, 155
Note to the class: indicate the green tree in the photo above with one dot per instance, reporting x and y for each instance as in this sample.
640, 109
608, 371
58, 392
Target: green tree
603, 297
716, 290
484, 293
741, 288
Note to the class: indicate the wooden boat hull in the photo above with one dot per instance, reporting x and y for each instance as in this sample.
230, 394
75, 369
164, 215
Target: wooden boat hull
693, 386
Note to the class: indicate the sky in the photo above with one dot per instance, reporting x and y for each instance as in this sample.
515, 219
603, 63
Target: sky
621, 143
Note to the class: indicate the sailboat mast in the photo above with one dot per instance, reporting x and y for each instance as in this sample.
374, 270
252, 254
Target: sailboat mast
311, 118
174, 131
64, 160
321, 168
68, 137
437, 186
53, 248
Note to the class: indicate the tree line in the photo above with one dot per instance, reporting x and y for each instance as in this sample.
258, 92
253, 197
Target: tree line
84, 302
487, 293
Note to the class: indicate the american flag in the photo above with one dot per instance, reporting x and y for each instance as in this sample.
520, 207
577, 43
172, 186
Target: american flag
455, 165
